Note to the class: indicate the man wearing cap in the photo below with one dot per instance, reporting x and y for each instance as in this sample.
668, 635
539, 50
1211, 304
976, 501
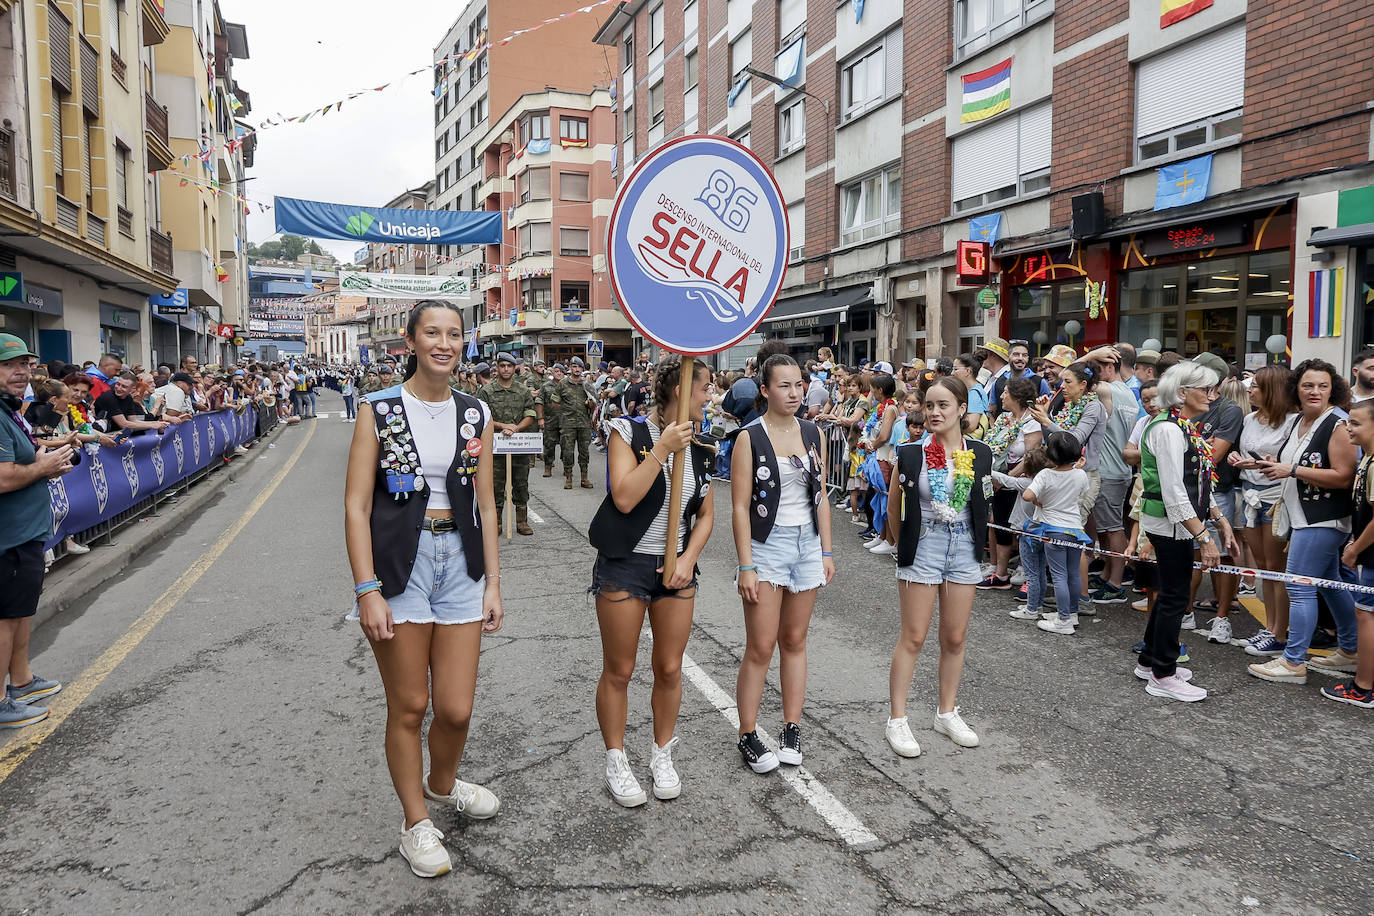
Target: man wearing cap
550, 404
1146, 363
576, 420
483, 373
26, 507
512, 411
995, 354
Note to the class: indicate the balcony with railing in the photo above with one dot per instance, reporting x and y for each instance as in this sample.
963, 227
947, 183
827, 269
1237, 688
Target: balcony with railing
160, 252
8, 172
68, 215
156, 132
155, 27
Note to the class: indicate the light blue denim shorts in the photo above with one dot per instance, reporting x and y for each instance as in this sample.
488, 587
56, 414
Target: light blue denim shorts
439, 590
945, 553
790, 558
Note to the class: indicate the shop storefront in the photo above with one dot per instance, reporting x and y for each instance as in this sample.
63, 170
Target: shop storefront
844, 320
119, 328
27, 310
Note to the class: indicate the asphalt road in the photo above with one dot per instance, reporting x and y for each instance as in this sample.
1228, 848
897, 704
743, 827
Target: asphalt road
219, 750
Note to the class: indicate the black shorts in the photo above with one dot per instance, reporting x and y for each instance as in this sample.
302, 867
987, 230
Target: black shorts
21, 580
638, 576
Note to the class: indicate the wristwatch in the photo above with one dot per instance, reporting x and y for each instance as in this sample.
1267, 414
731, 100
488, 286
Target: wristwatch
1203, 538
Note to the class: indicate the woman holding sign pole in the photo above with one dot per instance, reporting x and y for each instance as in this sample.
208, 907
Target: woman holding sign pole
782, 540
630, 534
420, 526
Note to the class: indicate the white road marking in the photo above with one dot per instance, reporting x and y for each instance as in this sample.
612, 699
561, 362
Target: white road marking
322, 416
535, 516
841, 819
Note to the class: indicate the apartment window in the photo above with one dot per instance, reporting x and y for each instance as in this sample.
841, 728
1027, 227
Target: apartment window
791, 18
121, 184
656, 105
58, 159
574, 242
796, 230
656, 27
689, 71
744, 138
1007, 158
627, 52
689, 19
979, 23
574, 186
1174, 115
629, 122
572, 128
535, 127
873, 77
537, 293
116, 27
90, 158
791, 126
741, 55
472, 158
574, 295
871, 206
534, 185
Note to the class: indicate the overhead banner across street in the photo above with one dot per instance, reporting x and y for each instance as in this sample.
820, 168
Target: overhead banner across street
403, 286
315, 219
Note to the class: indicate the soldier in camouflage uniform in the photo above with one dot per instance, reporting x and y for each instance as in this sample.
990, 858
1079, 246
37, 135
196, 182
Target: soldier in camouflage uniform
512, 410
551, 397
577, 424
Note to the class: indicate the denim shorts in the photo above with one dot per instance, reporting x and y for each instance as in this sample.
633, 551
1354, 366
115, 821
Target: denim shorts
1364, 601
637, 575
945, 553
439, 590
1260, 514
790, 558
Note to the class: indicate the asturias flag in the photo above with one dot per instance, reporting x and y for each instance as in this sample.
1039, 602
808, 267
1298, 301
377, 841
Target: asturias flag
1183, 182
987, 92
1171, 11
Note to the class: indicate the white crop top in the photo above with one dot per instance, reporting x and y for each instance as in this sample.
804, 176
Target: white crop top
435, 428
794, 502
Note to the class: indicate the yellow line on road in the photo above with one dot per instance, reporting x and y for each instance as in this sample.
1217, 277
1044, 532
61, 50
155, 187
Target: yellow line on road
79, 690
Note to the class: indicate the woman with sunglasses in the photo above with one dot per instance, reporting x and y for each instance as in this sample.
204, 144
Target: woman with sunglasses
781, 522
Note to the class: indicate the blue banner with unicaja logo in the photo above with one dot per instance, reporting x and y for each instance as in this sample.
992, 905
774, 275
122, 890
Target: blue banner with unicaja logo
315, 219
698, 244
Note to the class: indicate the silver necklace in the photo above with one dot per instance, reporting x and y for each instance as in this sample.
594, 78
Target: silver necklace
425, 405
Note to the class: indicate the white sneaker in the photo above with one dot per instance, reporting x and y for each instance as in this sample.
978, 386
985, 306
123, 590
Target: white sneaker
1018, 577
1338, 662
1180, 672
468, 798
1175, 688
952, 724
240, 450
1062, 627
1054, 615
76, 549
883, 549
873, 542
621, 781
900, 739
666, 782
1221, 631
422, 848
1189, 621
1024, 612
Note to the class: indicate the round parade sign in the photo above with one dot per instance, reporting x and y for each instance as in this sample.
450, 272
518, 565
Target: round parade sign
698, 244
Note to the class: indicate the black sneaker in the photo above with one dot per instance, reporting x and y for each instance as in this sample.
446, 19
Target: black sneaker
756, 754
1322, 639
789, 745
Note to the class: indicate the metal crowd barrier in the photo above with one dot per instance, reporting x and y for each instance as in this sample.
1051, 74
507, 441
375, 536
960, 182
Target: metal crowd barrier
836, 457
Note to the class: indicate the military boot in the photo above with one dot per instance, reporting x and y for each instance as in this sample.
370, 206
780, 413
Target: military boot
548, 469
567, 480
586, 481
522, 520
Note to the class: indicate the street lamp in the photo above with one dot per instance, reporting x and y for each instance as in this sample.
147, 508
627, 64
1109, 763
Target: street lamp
770, 78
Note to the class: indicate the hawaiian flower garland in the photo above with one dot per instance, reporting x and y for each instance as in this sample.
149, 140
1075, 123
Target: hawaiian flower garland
1197, 442
1072, 413
79, 423
1004, 432
947, 506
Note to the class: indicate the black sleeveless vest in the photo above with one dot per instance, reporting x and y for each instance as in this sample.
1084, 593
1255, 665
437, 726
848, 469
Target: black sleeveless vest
397, 517
1362, 513
1318, 503
911, 457
766, 491
614, 533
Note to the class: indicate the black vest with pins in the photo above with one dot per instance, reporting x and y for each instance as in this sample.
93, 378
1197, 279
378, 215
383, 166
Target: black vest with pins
614, 533
1362, 512
397, 518
1320, 504
766, 491
905, 503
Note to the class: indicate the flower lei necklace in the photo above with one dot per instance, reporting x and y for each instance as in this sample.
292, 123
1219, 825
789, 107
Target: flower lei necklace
79, 422
1199, 445
1072, 412
1004, 432
945, 505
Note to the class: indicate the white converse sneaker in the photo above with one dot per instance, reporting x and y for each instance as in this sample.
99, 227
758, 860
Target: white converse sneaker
666, 782
900, 739
621, 781
467, 798
422, 848
1024, 612
1056, 625
953, 725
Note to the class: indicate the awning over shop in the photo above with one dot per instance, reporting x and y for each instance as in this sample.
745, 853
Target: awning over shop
1165, 218
818, 310
1361, 234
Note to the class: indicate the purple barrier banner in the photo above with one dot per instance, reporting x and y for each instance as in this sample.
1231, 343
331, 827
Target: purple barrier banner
119, 477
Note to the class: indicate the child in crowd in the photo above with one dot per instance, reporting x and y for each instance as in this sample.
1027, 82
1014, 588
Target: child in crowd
1055, 492
915, 424
911, 404
1359, 556
1032, 549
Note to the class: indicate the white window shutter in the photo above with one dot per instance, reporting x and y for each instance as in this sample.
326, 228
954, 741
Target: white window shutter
1202, 78
984, 159
1035, 138
791, 15
894, 64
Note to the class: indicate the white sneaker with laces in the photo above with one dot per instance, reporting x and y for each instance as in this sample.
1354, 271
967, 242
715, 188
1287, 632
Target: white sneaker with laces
1221, 631
1180, 672
900, 739
1023, 612
422, 847
621, 781
666, 782
76, 549
952, 725
1175, 688
1018, 576
883, 549
873, 542
467, 798
1189, 621
1056, 625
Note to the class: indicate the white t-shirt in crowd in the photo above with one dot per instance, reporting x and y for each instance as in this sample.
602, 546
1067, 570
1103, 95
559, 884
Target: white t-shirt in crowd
1138, 430
1258, 440
1058, 492
173, 398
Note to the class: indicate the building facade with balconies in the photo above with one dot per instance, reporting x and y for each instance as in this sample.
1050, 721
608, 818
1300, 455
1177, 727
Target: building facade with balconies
384, 331
546, 164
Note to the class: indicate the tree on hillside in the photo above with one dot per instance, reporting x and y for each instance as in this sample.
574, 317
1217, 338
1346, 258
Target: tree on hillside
287, 248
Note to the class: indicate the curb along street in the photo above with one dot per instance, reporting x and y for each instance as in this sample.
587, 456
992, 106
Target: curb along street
77, 577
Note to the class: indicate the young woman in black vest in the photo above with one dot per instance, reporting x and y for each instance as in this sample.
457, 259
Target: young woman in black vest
420, 525
1317, 467
781, 522
937, 515
630, 534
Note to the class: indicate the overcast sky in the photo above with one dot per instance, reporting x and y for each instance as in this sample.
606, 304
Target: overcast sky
304, 54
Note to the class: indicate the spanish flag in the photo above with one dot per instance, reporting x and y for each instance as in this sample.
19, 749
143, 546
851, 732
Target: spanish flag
569, 142
1171, 11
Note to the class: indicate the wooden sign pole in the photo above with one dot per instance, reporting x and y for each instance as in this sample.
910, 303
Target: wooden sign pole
509, 511
680, 462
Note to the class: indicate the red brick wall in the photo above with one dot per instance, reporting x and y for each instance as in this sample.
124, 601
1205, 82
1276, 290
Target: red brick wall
713, 68
1075, 20
1093, 136
924, 50
925, 189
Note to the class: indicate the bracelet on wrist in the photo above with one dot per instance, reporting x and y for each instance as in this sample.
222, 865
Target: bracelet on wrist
367, 591
654, 455
826, 553
364, 587
748, 569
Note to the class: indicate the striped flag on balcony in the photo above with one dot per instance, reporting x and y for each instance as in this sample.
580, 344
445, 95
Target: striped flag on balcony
1171, 11
987, 92
1325, 290
569, 142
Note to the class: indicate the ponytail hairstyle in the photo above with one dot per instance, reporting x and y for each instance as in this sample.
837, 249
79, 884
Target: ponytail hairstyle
413, 324
1085, 374
766, 374
666, 377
